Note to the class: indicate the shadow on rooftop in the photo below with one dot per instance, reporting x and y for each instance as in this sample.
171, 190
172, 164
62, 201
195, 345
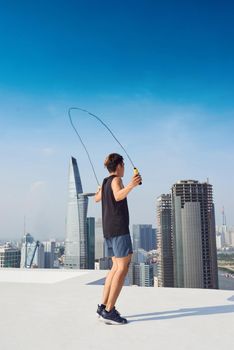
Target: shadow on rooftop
198, 311
231, 298
99, 282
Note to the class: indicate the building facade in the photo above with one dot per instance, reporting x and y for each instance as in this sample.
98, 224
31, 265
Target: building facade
50, 255
141, 275
9, 256
99, 240
144, 237
91, 242
32, 253
193, 235
164, 241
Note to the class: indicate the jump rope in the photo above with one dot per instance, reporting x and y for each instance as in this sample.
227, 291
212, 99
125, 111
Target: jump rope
135, 170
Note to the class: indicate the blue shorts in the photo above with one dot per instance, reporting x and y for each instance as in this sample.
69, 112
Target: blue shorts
119, 246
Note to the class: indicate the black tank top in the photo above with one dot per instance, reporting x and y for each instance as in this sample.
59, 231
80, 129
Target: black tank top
115, 216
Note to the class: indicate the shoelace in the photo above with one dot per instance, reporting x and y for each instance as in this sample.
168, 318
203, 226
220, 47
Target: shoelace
117, 312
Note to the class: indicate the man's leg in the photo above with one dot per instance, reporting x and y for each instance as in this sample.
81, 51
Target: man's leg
108, 281
118, 280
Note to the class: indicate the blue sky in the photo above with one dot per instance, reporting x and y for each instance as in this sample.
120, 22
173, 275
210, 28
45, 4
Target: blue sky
159, 73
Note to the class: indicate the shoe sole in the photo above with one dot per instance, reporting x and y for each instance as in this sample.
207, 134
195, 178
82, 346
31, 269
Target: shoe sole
111, 322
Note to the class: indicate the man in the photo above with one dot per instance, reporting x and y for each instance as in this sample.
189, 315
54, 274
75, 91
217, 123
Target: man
117, 240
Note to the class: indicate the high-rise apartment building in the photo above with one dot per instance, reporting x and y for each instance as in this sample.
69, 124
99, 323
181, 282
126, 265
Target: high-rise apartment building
193, 235
164, 241
76, 243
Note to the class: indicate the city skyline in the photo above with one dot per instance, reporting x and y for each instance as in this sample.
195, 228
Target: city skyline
159, 74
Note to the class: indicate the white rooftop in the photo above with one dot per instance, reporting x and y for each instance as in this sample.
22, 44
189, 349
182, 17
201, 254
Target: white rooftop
56, 309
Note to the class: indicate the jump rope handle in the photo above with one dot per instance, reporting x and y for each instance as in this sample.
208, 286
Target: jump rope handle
136, 172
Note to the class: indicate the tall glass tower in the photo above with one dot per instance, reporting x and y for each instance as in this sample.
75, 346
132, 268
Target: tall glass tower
143, 237
76, 243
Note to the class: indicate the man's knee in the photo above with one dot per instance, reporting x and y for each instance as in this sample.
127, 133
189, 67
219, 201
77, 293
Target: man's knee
122, 269
114, 264
123, 265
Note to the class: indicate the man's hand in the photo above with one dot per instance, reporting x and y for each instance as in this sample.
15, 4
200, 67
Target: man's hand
136, 179
98, 194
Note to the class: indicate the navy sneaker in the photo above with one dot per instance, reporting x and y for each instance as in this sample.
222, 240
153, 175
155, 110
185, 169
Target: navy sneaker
99, 309
112, 317
102, 307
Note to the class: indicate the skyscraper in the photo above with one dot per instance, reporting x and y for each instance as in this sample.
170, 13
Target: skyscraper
224, 231
193, 232
49, 248
99, 240
91, 242
164, 241
154, 233
141, 274
143, 237
32, 253
76, 243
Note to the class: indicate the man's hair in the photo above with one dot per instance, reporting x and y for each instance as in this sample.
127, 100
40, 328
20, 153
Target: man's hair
112, 161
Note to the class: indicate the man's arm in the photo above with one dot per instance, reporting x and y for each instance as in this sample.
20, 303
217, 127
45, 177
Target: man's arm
98, 194
120, 192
